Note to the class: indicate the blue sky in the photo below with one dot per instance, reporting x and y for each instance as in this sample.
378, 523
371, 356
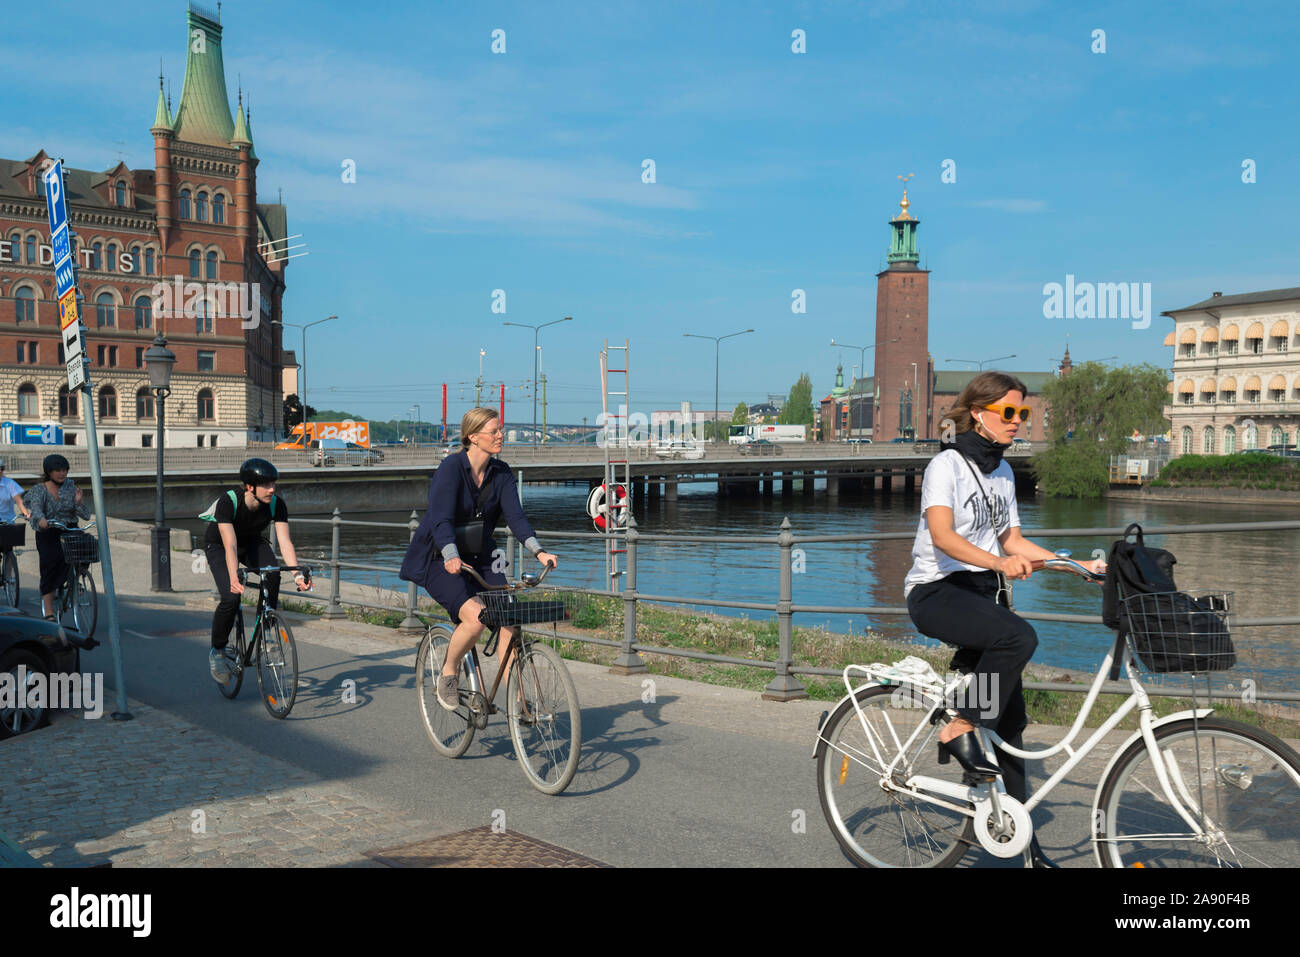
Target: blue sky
774, 171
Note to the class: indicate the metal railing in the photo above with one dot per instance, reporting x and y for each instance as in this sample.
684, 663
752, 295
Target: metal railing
784, 686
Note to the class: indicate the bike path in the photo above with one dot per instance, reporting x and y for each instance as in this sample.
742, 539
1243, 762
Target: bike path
677, 773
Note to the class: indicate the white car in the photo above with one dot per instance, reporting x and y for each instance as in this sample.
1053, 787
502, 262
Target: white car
680, 450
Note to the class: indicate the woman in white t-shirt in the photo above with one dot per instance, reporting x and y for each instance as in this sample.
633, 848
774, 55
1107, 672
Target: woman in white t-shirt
11, 498
968, 539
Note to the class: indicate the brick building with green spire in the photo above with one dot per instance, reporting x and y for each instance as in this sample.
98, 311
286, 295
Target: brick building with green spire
183, 248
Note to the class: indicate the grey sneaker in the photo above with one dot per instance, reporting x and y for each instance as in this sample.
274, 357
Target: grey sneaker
218, 665
448, 692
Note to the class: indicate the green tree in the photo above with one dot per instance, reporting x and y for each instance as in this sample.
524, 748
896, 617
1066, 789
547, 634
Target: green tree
798, 409
1093, 412
740, 415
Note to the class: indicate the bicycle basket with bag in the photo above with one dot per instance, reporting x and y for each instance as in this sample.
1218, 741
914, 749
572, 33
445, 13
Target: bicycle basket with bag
79, 548
1168, 630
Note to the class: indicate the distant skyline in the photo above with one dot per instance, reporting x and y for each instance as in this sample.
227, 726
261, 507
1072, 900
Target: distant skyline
774, 171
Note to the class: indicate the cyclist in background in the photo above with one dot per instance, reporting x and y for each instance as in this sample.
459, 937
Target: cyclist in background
55, 499
11, 498
237, 534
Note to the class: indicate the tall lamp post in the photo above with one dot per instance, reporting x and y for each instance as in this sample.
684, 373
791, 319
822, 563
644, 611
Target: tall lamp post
158, 359
982, 362
536, 349
304, 327
862, 364
717, 341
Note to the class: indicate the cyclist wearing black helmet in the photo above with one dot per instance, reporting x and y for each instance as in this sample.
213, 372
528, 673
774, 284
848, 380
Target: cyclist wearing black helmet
237, 534
56, 499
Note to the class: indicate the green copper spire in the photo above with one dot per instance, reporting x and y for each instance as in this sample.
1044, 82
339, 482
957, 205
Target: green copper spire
162, 118
839, 389
241, 128
902, 246
204, 112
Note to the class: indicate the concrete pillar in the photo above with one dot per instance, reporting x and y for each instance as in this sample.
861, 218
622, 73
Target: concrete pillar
787, 485
670, 490
909, 482
808, 480
769, 479
832, 486
655, 486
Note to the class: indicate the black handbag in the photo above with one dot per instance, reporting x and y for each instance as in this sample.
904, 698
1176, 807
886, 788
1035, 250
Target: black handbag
472, 539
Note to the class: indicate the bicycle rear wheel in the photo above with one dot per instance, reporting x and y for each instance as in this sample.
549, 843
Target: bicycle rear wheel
85, 604
450, 732
10, 571
1240, 784
235, 659
547, 731
277, 666
877, 827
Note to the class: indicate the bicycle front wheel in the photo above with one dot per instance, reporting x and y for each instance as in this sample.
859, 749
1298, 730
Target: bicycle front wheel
876, 826
544, 717
234, 654
1239, 784
277, 666
450, 732
85, 604
10, 572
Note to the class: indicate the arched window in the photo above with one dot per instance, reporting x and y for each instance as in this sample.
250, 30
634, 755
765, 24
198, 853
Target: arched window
67, 403
143, 312
203, 316
143, 403
1229, 440
31, 251
28, 406
108, 402
201, 207
194, 263
25, 305
1207, 441
1252, 438
211, 266
15, 248
97, 256
148, 262
105, 310
135, 259
207, 408
1277, 437
121, 193
1187, 440
185, 204
218, 209
112, 257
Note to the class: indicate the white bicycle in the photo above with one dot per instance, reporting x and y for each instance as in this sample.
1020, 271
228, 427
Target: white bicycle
1188, 790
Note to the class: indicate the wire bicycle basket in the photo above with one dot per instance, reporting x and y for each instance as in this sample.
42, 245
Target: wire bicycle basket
1182, 632
504, 608
79, 548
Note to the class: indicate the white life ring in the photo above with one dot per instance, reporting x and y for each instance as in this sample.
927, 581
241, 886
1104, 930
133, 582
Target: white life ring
599, 511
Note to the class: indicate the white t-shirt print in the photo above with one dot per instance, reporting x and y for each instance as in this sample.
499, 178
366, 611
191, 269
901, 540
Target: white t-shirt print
949, 482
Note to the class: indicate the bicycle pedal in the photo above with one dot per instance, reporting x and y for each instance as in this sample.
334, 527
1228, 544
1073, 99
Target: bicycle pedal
973, 779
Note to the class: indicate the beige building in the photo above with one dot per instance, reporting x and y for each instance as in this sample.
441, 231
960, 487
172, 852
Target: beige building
1236, 372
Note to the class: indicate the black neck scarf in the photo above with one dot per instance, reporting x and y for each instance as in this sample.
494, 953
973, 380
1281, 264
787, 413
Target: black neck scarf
985, 453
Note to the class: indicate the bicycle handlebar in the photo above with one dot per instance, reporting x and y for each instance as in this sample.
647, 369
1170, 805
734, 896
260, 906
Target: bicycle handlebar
68, 528
1066, 565
527, 580
242, 573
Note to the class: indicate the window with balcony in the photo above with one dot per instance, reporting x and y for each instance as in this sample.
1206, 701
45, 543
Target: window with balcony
1277, 395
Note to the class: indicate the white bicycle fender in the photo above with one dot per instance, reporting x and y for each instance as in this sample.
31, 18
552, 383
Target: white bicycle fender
1114, 758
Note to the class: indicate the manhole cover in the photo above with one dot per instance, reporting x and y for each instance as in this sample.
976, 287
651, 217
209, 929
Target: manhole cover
481, 847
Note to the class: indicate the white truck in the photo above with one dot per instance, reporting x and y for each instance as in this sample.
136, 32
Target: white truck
744, 434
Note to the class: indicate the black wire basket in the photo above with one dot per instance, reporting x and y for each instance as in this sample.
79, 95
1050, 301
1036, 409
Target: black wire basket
1180, 632
13, 535
501, 608
79, 548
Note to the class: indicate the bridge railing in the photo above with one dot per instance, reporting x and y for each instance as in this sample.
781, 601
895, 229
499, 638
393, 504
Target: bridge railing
784, 686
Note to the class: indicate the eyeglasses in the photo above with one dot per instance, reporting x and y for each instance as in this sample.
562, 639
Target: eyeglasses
1008, 412
493, 434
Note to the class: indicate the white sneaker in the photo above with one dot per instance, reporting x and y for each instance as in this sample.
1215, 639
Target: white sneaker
218, 665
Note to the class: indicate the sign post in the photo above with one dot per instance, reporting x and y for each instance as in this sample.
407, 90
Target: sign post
73, 333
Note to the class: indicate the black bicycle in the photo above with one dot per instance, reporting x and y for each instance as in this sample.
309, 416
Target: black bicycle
76, 604
12, 535
272, 645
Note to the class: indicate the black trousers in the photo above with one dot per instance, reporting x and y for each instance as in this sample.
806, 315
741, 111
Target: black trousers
54, 568
252, 556
994, 643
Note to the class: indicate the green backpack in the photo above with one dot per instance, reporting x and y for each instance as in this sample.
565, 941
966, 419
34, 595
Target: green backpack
211, 514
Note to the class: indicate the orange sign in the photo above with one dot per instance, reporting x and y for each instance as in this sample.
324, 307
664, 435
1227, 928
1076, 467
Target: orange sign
68, 309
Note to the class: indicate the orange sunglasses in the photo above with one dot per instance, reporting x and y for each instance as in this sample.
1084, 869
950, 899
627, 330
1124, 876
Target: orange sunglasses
1008, 412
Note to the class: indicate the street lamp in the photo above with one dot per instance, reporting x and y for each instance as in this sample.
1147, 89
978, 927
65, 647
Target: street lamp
536, 348
862, 364
158, 359
982, 362
717, 341
304, 328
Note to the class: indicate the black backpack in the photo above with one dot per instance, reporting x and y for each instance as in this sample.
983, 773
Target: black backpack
1169, 630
